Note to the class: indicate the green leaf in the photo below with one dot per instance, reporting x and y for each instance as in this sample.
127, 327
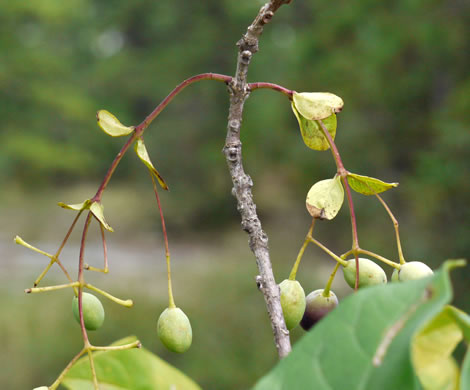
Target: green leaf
141, 151
136, 369
111, 125
317, 105
368, 185
365, 342
431, 352
98, 211
465, 378
462, 319
325, 198
78, 206
312, 132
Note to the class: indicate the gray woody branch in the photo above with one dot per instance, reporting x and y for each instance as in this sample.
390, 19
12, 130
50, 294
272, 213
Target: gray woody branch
242, 183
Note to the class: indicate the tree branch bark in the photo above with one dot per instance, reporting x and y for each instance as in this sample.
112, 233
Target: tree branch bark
242, 183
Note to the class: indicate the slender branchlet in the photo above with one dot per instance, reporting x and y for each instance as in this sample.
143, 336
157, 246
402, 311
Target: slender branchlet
239, 91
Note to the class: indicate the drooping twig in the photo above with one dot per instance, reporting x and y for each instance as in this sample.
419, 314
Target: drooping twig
242, 183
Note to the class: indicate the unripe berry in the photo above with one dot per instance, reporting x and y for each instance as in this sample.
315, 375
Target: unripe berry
413, 270
93, 311
317, 306
369, 273
174, 330
292, 302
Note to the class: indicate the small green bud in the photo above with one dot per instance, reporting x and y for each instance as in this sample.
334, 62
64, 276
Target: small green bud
317, 307
93, 311
369, 273
174, 330
292, 302
414, 270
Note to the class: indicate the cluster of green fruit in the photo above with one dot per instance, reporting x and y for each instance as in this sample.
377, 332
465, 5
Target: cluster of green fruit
309, 310
173, 327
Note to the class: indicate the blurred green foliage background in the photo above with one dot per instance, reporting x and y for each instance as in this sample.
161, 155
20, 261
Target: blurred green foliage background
401, 67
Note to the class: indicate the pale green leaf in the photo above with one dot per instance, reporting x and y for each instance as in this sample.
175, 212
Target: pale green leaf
131, 369
368, 185
325, 198
317, 105
98, 211
431, 352
465, 378
312, 133
78, 206
111, 125
364, 344
141, 151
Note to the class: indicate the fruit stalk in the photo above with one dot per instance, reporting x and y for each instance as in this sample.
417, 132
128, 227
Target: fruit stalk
395, 226
171, 301
293, 273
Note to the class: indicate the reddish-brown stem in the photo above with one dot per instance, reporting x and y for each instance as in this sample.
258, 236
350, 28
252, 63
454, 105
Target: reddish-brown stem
63, 244
275, 87
68, 233
165, 238
344, 178
80, 276
141, 128
105, 248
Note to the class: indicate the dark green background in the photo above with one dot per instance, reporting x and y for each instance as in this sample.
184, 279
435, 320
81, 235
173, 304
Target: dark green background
401, 67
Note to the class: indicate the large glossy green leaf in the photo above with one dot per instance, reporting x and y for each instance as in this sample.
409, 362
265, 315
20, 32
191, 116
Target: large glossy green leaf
366, 185
325, 198
111, 125
132, 369
312, 133
317, 105
141, 151
364, 344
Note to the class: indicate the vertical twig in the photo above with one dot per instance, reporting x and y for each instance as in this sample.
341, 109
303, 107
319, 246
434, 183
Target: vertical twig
242, 183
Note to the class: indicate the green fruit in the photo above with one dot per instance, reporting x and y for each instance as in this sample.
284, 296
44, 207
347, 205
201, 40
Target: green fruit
93, 312
317, 307
292, 302
369, 273
174, 330
413, 270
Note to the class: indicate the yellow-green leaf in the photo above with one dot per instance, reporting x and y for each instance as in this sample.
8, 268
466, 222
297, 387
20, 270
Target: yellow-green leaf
141, 151
312, 133
111, 125
98, 211
462, 319
431, 352
368, 185
325, 198
78, 206
317, 105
